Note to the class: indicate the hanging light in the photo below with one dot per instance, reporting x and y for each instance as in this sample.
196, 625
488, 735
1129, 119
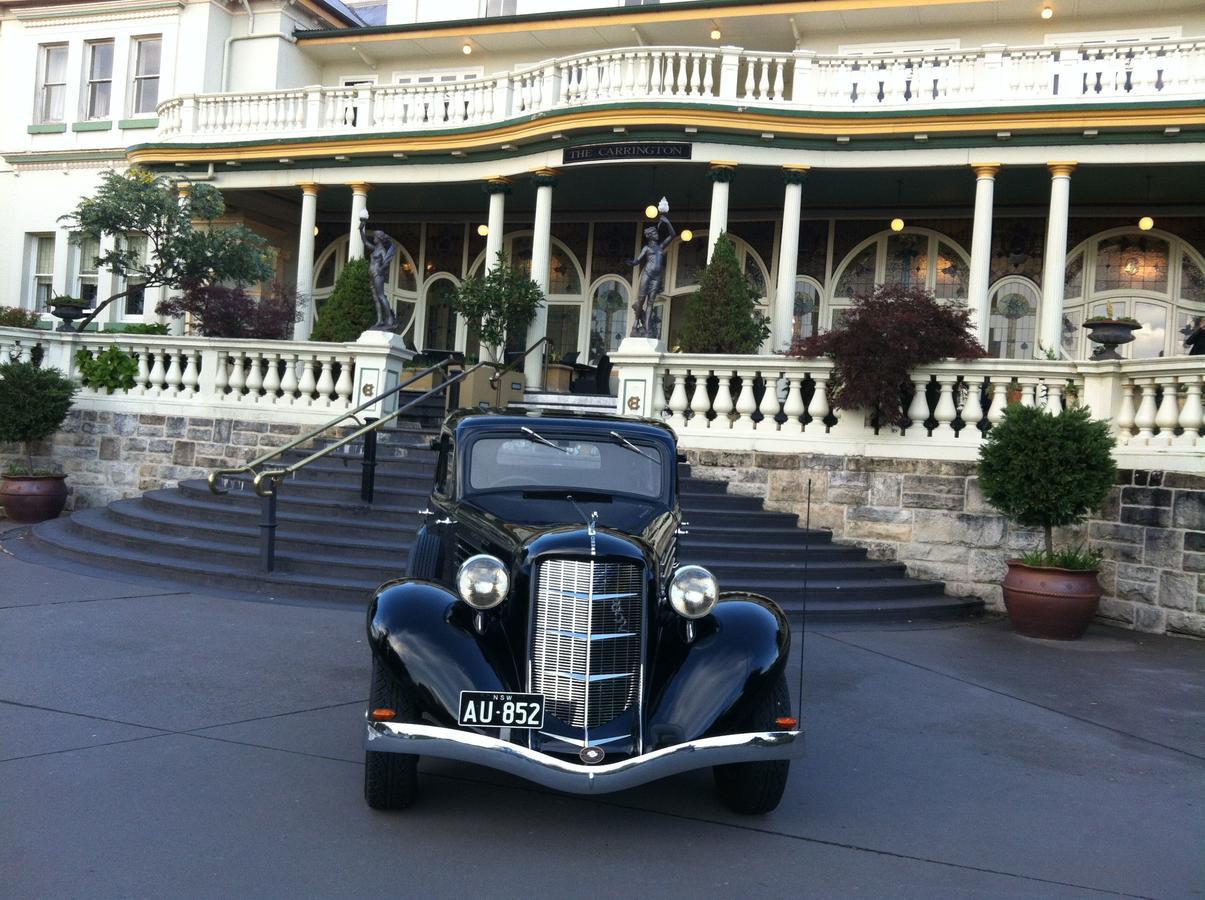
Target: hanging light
466, 48
1047, 11
1146, 223
650, 212
315, 231
715, 31
483, 230
687, 234
897, 224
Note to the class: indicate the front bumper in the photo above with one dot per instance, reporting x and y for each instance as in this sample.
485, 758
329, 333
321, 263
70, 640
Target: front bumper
562, 775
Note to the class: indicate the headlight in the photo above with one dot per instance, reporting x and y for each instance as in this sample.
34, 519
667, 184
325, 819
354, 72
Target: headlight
693, 592
483, 581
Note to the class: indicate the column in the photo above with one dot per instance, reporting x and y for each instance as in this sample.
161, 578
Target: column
305, 260
541, 258
359, 203
1054, 263
788, 257
721, 174
498, 189
981, 248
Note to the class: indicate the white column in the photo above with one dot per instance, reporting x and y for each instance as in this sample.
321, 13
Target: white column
498, 188
541, 254
788, 257
721, 174
305, 260
981, 248
359, 203
1054, 263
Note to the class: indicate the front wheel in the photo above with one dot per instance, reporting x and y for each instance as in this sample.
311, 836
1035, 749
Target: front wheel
756, 788
390, 779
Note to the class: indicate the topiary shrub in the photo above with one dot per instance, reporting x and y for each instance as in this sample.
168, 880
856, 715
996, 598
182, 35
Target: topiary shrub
349, 311
881, 339
502, 303
723, 316
1043, 470
33, 404
110, 370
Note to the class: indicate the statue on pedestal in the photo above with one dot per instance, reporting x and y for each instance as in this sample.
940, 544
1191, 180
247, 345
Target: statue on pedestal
652, 276
380, 250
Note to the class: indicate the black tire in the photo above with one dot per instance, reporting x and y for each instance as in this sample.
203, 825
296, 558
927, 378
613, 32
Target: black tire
390, 779
424, 556
756, 788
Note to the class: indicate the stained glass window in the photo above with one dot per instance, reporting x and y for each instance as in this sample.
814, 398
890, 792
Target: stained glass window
692, 259
1073, 279
445, 248
1129, 262
952, 274
1192, 281
608, 317
806, 314
858, 277
441, 320
614, 247
1013, 320
563, 319
907, 260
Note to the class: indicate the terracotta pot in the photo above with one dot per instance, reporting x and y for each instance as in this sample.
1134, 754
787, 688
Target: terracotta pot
33, 498
1055, 604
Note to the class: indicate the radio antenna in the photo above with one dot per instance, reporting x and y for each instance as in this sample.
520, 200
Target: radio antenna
803, 615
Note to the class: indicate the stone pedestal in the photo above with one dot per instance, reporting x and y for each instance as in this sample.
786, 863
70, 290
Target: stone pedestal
636, 367
380, 358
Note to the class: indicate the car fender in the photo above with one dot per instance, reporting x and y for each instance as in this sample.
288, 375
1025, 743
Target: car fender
704, 684
426, 637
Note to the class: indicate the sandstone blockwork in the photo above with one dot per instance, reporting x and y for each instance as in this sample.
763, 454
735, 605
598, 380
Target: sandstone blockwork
931, 516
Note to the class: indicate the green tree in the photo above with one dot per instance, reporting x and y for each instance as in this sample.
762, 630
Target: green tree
722, 316
182, 245
1043, 470
349, 311
502, 303
33, 404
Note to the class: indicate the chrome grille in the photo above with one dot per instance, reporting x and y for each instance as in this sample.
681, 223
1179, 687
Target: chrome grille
586, 647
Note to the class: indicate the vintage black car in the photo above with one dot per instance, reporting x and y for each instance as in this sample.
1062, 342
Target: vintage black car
545, 626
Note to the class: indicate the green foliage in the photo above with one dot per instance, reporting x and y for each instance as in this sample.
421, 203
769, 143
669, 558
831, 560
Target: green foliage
139, 328
1077, 559
349, 311
218, 310
881, 339
502, 303
182, 244
1043, 470
33, 404
723, 317
14, 317
111, 369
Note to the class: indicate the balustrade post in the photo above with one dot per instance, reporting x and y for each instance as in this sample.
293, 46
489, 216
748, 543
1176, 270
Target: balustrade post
995, 412
769, 405
818, 408
188, 114
746, 406
677, 401
945, 412
991, 86
313, 107
730, 63
918, 409
1191, 413
1126, 414
288, 381
700, 403
972, 410
793, 408
1054, 396
723, 401
175, 374
1168, 415
1144, 419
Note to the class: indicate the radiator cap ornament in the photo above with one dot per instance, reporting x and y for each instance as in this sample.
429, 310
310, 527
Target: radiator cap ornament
592, 756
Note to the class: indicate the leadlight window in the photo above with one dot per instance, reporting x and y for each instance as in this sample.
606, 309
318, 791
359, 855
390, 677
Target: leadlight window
806, 313
98, 90
858, 277
147, 62
952, 274
614, 247
1192, 281
1013, 319
1073, 280
441, 320
907, 260
52, 82
692, 260
1128, 263
445, 248
563, 321
608, 317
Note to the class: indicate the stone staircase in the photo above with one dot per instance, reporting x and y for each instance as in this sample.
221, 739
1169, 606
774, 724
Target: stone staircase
333, 549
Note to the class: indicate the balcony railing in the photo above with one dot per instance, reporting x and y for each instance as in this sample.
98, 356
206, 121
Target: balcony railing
989, 77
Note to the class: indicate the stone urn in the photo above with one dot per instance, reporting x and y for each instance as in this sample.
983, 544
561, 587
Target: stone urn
1050, 603
1110, 334
69, 310
29, 499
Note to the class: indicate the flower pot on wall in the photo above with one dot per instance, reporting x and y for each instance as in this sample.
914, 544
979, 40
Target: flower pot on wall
1050, 603
29, 499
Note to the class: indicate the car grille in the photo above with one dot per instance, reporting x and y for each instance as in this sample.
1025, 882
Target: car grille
586, 648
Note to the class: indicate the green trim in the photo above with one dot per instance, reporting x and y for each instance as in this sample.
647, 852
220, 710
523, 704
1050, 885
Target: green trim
131, 124
97, 9
47, 128
105, 125
66, 156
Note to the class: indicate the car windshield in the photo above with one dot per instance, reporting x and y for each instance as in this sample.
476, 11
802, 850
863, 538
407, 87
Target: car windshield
596, 465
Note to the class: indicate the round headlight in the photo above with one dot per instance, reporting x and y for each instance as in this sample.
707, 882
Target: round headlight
693, 592
483, 581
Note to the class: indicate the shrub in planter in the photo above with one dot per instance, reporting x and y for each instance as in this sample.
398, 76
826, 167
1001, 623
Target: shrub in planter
881, 339
501, 304
33, 404
722, 316
1045, 471
349, 311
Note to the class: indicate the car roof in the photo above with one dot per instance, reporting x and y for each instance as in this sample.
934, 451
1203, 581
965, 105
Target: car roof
467, 421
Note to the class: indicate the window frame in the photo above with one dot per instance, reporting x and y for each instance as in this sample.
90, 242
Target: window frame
44, 51
136, 48
37, 279
88, 111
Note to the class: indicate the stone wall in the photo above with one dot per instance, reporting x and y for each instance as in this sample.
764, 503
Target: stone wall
931, 516
111, 455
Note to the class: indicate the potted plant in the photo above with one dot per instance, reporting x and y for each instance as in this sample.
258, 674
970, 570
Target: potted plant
1044, 471
1110, 333
69, 309
33, 404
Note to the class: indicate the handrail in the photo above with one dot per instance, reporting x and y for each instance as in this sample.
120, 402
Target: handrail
310, 435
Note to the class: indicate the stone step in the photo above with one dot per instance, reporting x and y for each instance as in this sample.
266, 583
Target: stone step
345, 508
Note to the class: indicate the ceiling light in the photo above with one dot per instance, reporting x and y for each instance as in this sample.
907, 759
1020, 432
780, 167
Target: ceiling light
315, 231
399, 156
715, 34
1047, 11
687, 235
650, 212
458, 153
1146, 223
897, 224
466, 48
483, 230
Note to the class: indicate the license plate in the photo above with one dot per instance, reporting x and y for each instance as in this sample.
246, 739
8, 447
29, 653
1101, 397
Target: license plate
486, 709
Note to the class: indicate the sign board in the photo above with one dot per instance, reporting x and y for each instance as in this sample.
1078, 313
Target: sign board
625, 151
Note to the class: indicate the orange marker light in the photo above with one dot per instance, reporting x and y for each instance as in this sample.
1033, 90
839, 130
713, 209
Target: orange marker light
384, 713
786, 722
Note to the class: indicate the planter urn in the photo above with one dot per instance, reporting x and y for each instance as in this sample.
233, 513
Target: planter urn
1050, 603
1110, 334
29, 499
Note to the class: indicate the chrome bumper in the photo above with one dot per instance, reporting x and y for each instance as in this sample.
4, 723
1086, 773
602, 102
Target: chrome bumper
562, 775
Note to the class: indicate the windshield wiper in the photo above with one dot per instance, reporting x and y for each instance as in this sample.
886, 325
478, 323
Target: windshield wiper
623, 440
542, 439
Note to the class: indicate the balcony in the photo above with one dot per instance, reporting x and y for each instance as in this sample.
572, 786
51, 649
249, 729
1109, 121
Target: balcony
993, 77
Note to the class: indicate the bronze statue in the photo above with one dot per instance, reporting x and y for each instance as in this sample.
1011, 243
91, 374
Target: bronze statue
652, 276
380, 249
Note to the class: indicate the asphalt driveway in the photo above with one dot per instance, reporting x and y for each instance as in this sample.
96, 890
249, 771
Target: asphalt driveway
178, 744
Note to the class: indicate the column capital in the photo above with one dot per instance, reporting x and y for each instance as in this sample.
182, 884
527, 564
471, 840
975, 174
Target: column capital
182, 189
359, 187
985, 169
309, 188
721, 170
544, 177
497, 186
1061, 168
795, 174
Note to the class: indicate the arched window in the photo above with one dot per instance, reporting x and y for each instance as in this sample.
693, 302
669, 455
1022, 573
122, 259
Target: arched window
440, 332
609, 304
1013, 318
806, 314
1152, 276
400, 287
